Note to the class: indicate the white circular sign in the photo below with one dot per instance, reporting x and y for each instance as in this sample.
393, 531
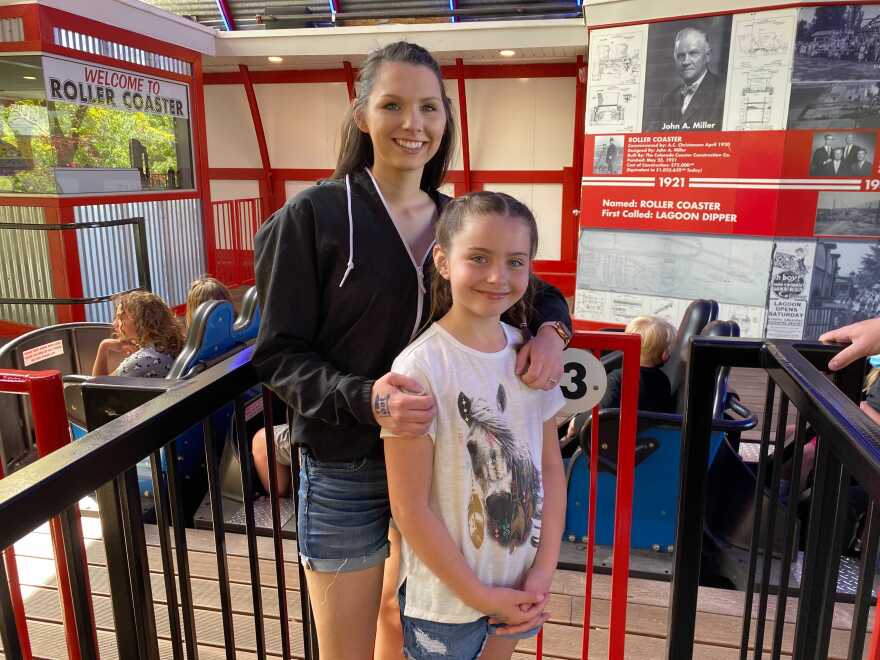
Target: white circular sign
583, 381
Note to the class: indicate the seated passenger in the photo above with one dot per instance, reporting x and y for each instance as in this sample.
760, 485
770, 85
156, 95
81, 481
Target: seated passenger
146, 339
203, 290
871, 405
282, 458
655, 392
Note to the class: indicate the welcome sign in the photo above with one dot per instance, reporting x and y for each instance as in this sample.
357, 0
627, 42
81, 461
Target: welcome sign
84, 83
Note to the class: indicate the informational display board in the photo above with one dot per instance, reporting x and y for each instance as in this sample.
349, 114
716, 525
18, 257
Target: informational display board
722, 156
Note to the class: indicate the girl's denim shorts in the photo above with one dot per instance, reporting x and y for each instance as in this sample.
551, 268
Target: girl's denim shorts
342, 520
431, 640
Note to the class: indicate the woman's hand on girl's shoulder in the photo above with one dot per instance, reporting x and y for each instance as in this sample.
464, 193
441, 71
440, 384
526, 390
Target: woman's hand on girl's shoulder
401, 406
539, 361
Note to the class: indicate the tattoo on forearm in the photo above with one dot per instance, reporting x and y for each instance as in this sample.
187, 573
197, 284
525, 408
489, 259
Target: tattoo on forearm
380, 405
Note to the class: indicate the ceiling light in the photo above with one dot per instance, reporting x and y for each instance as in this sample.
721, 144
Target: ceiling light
29, 77
507, 53
274, 59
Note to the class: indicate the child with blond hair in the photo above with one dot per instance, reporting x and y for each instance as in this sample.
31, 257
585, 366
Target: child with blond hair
655, 392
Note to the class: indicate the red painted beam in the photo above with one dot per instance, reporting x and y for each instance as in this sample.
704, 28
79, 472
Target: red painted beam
226, 12
258, 127
462, 110
280, 76
571, 219
473, 71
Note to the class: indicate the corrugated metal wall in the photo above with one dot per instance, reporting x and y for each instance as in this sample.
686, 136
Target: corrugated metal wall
25, 271
175, 247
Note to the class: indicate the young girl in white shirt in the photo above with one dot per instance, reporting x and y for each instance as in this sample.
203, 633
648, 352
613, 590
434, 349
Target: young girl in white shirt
480, 498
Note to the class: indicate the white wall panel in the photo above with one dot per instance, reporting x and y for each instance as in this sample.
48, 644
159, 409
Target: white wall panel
293, 188
232, 141
545, 200
222, 189
521, 123
302, 122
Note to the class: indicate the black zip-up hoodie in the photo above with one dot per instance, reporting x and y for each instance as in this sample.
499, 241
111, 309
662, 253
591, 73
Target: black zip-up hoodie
340, 297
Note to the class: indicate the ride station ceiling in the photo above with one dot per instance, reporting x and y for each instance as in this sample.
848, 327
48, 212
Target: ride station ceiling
278, 14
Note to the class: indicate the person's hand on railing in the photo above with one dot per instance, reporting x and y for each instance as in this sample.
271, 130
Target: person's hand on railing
863, 339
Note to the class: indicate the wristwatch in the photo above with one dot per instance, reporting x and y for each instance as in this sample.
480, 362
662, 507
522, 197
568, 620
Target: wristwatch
560, 329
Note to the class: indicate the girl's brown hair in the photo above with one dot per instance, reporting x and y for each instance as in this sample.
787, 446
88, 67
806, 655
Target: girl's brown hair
202, 290
468, 207
356, 147
154, 322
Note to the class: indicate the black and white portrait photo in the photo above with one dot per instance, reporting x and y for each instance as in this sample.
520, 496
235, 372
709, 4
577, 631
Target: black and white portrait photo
686, 74
608, 154
841, 153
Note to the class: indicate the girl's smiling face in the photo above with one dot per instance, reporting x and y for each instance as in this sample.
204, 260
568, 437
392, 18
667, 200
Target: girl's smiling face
404, 116
487, 265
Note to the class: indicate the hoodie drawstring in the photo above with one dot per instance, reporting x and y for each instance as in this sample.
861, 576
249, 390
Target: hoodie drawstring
350, 266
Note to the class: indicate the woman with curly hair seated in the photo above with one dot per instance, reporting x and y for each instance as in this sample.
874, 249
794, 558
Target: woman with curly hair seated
146, 339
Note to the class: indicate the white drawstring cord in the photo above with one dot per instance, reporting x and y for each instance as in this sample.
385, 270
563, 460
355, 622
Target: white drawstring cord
350, 266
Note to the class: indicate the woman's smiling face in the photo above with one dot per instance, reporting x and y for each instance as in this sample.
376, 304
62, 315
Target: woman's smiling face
404, 116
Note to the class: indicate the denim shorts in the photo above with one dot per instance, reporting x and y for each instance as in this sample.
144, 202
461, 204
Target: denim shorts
431, 640
342, 521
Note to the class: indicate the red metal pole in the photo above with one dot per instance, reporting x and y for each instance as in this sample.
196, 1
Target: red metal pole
626, 448
226, 13
52, 432
591, 528
24, 638
462, 109
874, 649
571, 223
258, 123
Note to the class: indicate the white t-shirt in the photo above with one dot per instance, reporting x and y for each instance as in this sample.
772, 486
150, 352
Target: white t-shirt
486, 485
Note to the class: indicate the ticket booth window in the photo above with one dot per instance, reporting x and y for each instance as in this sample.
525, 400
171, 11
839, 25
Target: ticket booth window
72, 127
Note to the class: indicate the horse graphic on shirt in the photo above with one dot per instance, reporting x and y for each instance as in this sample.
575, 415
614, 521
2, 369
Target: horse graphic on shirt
504, 471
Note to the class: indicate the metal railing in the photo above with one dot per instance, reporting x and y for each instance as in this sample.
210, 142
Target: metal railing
45, 391
236, 221
139, 239
847, 446
105, 459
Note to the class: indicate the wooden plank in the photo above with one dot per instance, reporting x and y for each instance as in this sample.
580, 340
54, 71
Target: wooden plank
711, 600
717, 633
47, 641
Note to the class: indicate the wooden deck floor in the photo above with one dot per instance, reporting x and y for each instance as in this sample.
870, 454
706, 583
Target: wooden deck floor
717, 636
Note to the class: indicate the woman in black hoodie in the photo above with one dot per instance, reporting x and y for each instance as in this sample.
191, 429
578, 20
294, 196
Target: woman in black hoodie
341, 272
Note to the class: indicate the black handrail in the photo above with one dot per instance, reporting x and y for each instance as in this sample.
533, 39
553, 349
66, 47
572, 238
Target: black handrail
848, 447
38, 491
104, 461
140, 254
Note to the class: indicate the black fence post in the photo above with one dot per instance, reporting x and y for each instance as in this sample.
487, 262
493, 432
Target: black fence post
702, 367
